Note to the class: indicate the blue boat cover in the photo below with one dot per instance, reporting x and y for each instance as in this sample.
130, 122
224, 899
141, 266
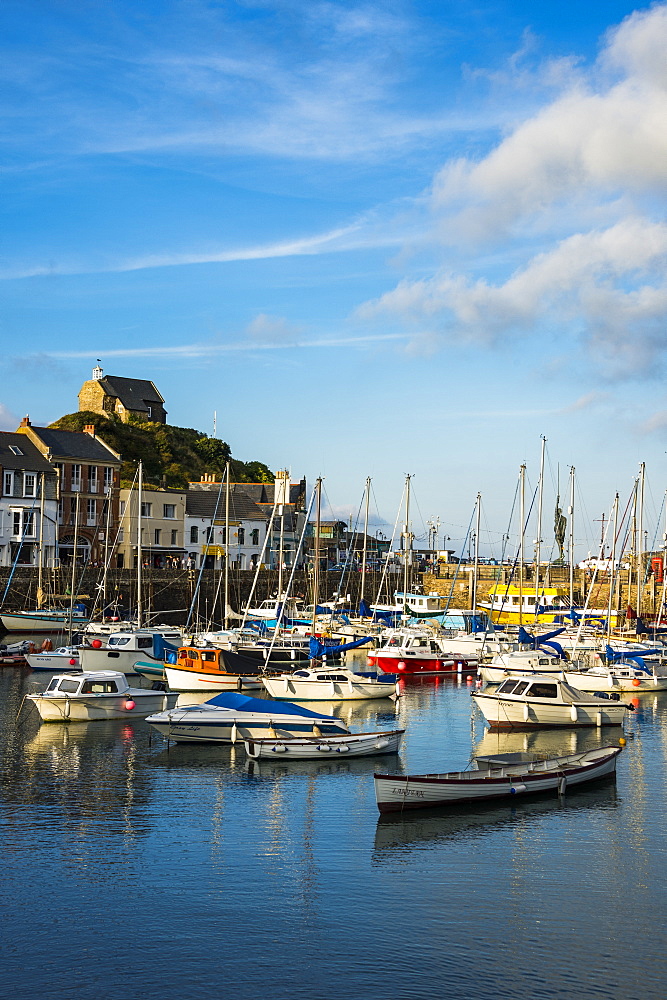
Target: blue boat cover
161, 647
316, 648
244, 703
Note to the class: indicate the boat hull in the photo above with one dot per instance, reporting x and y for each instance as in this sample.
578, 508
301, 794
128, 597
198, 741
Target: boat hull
292, 689
84, 708
35, 621
396, 793
191, 725
122, 660
410, 663
503, 713
188, 680
354, 745
52, 661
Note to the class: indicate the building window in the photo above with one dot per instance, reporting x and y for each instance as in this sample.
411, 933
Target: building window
92, 479
146, 509
156, 536
149, 411
194, 535
121, 534
60, 511
8, 484
174, 536
91, 511
209, 535
76, 478
223, 535
241, 536
169, 510
122, 508
254, 536
24, 523
108, 478
29, 484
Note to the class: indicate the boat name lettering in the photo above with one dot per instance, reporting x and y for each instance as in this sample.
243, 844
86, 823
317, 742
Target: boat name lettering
408, 791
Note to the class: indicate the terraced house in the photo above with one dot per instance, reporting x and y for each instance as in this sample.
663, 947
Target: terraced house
88, 473
28, 504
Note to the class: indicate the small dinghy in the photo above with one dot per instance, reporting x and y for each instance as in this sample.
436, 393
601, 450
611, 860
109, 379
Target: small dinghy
308, 748
494, 777
103, 694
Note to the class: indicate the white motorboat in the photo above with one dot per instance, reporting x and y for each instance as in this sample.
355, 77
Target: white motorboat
534, 661
332, 684
494, 777
615, 677
88, 697
231, 717
546, 700
123, 650
310, 748
54, 659
102, 630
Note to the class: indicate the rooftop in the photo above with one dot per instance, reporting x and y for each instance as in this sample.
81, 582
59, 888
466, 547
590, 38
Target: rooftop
18, 452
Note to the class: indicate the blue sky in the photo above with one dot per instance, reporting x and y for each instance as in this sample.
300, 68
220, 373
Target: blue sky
376, 238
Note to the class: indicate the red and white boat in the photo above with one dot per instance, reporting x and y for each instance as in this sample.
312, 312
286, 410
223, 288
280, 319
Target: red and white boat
414, 651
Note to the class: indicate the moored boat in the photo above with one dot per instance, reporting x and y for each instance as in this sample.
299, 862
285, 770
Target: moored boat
310, 748
494, 777
100, 695
231, 717
44, 620
331, 684
546, 700
209, 669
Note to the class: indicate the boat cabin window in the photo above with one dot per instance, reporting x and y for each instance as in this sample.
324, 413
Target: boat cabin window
544, 690
99, 687
193, 654
393, 642
144, 642
69, 686
331, 677
183, 654
543, 662
521, 687
507, 687
210, 656
53, 684
118, 640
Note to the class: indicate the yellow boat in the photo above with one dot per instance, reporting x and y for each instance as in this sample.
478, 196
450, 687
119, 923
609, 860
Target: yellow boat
513, 605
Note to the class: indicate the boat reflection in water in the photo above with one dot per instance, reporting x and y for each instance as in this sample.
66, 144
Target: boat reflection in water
395, 831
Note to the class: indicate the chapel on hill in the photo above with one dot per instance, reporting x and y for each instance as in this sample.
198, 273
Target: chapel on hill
114, 394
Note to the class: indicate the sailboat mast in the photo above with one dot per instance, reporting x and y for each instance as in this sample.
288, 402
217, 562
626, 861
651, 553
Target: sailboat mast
365, 552
474, 577
538, 540
522, 508
106, 549
40, 554
73, 580
612, 565
571, 536
406, 544
316, 550
140, 485
640, 539
226, 598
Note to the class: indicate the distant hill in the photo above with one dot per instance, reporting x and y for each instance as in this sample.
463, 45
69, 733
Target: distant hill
171, 456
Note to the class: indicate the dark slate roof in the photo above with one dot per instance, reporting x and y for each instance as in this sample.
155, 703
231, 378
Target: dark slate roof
75, 444
134, 393
31, 458
201, 501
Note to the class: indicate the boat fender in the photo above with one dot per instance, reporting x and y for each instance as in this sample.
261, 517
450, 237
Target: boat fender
72, 661
574, 715
233, 733
461, 665
401, 665
324, 747
280, 748
239, 684
342, 749
381, 744
130, 704
598, 719
526, 712
515, 789
562, 785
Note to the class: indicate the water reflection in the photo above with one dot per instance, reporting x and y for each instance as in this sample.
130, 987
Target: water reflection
395, 832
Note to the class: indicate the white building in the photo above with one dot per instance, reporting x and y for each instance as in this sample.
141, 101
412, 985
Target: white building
28, 504
205, 527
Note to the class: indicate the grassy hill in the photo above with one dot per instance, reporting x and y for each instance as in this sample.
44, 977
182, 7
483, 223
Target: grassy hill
172, 456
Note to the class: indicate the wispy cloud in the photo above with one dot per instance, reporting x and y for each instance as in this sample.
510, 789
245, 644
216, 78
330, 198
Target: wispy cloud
210, 350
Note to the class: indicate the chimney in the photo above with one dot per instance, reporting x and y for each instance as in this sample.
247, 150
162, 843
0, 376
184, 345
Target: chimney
89, 429
25, 422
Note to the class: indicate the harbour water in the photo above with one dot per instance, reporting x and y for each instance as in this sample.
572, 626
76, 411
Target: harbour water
133, 871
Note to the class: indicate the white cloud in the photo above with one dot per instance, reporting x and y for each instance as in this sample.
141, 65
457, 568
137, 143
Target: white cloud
272, 329
585, 175
8, 422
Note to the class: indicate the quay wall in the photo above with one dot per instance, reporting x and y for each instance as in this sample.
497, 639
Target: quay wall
169, 592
